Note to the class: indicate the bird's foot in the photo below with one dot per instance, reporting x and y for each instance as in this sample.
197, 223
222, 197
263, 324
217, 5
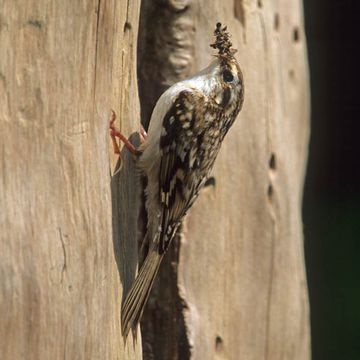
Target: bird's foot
114, 133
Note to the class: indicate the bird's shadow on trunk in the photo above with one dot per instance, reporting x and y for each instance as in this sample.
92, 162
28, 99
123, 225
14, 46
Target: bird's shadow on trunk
126, 193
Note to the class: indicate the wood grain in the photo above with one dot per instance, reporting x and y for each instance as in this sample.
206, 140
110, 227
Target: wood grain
63, 66
233, 285
240, 289
241, 263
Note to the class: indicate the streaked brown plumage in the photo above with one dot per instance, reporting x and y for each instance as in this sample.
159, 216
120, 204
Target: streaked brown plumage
187, 127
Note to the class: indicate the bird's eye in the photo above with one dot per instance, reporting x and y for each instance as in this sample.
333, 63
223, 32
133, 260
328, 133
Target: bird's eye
228, 76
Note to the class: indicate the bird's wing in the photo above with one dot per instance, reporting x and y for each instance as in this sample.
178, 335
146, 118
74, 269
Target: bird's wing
180, 148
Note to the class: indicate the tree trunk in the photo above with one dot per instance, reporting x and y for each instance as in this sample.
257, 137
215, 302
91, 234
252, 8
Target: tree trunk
63, 66
233, 283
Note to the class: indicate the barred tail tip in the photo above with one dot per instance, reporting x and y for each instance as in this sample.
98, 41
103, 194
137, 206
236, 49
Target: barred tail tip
138, 294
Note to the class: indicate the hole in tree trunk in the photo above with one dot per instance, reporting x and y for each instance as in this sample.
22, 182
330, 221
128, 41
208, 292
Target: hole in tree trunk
276, 21
211, 181
219, 343
296, 34
272, 162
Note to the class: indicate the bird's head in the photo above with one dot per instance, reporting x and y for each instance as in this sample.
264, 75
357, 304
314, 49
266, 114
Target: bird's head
227, 70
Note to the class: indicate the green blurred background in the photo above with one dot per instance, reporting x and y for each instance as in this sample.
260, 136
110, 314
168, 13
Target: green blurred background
331, 208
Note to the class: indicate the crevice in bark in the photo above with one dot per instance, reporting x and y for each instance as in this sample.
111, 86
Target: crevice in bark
239, 11
63, 269
276, 22
96, 49
165, 56
165, 49
163, 329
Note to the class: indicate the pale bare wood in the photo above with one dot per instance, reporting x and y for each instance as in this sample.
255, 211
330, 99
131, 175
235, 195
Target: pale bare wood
241, 262
63, 66
240, 285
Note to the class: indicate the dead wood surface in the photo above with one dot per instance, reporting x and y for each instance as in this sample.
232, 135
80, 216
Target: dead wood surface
63, 66
233, 285
240, 289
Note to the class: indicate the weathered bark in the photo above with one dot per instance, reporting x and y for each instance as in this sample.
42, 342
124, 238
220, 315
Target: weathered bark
240, 290
233, 284
63, 66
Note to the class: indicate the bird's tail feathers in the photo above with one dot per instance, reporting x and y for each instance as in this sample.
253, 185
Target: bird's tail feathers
138, 294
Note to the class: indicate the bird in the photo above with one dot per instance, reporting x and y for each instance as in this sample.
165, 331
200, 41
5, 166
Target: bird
186, 130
